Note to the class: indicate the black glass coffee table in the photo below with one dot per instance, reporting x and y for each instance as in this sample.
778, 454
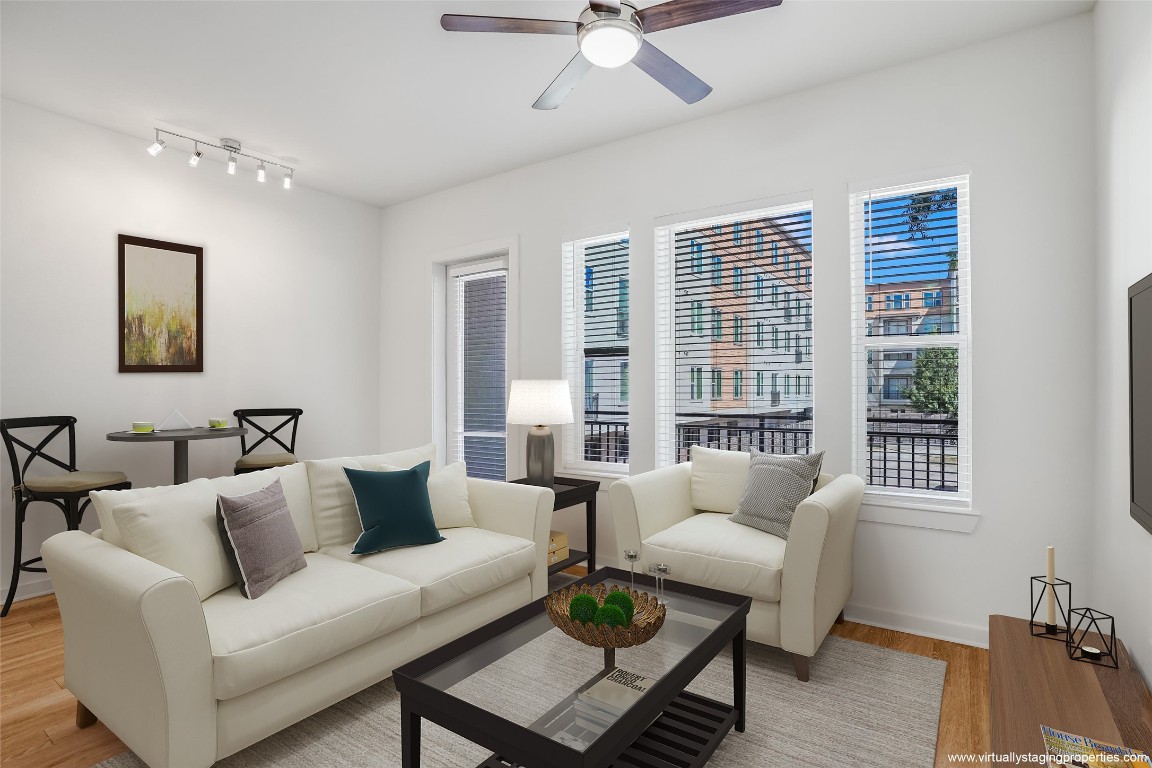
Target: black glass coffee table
515, 685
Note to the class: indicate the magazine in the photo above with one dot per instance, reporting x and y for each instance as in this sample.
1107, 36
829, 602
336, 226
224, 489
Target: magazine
611, 697
1069, 749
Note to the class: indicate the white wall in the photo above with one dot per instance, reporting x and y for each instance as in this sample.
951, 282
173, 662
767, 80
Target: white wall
1017, 112
1122, 554
290, 302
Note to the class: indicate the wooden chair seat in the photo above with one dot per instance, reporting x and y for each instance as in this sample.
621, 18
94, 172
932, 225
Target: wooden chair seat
73, 482
264, 460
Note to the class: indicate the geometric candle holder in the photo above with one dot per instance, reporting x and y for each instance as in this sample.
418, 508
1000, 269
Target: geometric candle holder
1088, 642
1063, 591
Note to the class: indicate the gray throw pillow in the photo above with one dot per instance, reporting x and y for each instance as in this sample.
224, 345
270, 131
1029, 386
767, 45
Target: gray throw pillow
775, 487
259, 538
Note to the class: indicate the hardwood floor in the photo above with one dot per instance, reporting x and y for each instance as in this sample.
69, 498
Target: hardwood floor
37, 714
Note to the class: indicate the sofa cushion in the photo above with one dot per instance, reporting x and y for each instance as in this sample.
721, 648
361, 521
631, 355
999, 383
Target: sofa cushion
718, 478
448, 494
259, 539
776, 485
106, 501
469, 562
334, 505
394, 509
178, 531
311, 616
710, 550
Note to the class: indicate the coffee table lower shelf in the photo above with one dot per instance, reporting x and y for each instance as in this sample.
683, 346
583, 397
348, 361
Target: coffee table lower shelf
684, 736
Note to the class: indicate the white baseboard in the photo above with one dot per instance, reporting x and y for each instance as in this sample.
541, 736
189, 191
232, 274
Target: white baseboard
29, 588
965, 634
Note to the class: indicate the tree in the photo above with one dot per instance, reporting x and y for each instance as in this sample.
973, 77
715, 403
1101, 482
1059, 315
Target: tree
921, 207
935, 384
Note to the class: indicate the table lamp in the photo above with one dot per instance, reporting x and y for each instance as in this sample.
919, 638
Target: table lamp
538, 403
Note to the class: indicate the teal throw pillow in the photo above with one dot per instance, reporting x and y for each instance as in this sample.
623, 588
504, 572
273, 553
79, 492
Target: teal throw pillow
394, 509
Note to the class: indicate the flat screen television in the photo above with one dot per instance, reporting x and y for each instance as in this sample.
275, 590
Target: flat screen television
1140, 399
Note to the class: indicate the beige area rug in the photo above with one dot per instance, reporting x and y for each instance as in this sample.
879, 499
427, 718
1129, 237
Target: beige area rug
865, 706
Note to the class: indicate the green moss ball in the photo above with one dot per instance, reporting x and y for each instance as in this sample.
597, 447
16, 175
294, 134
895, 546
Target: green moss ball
622, 601
583, 608
611, 615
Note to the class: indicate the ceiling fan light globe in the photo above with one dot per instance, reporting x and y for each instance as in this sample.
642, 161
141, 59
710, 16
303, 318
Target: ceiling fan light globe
609, 43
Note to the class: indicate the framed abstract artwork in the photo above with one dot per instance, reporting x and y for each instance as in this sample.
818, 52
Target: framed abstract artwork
161, 306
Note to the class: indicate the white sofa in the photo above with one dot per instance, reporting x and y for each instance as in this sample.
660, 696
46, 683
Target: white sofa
798, 587
185, 681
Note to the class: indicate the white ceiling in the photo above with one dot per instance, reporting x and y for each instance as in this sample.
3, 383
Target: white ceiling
374, 101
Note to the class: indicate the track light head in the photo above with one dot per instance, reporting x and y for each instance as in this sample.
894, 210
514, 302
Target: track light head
261, 173
194, 158
231, 164
288, 180
157, 147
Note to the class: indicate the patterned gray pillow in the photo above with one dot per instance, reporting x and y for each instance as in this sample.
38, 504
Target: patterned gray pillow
259, 538
776, 485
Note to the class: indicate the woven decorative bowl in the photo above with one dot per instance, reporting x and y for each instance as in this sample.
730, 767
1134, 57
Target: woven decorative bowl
646, 621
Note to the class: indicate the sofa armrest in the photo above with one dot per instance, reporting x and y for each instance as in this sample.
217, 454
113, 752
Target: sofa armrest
517, 510
817, 576
136, 649
645, 504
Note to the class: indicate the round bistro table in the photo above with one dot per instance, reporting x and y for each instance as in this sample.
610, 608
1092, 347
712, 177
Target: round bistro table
179, 439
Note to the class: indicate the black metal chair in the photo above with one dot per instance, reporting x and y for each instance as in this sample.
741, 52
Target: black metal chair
253, 462
64, 490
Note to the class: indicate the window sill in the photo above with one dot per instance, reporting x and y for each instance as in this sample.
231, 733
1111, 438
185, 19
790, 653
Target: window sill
915, 512
593, 472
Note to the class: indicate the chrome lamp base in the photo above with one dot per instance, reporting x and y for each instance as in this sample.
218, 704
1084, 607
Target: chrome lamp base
541, 457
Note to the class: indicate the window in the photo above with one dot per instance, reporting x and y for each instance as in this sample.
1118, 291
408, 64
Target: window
477, 367
775, 252
696, 383
588, 283
730, 417
775, 337
911, 404
697, 317
759, 383
808, 275
869, 304
596, 354
697, 250
717, 270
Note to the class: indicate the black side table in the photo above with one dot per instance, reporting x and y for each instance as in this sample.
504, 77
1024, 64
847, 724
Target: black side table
570, 492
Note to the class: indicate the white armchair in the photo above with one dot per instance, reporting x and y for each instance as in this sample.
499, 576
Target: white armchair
799, 586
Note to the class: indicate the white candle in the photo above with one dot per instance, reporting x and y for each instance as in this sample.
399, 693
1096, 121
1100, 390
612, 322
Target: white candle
1051, 590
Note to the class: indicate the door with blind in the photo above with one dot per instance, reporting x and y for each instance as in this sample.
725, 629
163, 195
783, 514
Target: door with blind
477, 367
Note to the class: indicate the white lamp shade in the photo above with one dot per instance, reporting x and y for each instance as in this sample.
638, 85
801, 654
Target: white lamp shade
539, 401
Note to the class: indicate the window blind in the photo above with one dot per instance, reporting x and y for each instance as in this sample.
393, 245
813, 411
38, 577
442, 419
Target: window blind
911, 310
477, 428
725, 286
596, 304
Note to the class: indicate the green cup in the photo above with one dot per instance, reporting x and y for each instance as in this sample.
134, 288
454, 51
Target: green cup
143, 426
217, 423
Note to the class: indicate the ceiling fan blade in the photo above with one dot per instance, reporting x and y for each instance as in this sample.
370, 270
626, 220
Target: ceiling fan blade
677, 13
564, 83
459, 23
671, 75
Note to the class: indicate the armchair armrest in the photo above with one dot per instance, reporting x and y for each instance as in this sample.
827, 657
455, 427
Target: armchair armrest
136, 649
817, 576
645, 504
517, 510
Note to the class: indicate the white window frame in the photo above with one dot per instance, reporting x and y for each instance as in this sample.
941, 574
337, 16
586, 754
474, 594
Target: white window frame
572, 458
664, 243
908, 506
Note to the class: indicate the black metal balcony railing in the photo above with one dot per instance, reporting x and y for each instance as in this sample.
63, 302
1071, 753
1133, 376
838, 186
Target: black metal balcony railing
903, 452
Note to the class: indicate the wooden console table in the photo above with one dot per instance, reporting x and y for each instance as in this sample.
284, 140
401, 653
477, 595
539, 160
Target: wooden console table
1034, 683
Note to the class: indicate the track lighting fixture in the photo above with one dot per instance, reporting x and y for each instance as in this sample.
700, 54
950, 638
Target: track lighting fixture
232, 147
157, 146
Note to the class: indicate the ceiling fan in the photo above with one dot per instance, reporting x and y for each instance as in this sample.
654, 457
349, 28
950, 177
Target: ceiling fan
610, 34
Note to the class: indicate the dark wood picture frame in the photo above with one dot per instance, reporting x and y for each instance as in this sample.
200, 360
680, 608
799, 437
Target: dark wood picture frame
129, 361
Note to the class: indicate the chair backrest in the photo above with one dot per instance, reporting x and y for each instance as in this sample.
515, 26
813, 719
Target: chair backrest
245, 417
39, 450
